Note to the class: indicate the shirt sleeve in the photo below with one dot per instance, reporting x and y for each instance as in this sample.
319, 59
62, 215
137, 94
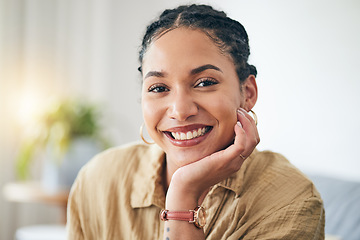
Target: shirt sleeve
298, 220
74, 229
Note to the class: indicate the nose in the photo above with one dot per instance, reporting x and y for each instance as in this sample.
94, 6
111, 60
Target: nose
182, 106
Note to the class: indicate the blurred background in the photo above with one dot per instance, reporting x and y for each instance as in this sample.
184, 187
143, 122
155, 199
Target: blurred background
51, 51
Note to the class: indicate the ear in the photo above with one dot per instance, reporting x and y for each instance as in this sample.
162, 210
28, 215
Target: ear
250, 92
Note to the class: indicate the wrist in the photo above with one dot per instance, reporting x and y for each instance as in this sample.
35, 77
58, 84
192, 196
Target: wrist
177, 198
182, 195
196, 216
180, 185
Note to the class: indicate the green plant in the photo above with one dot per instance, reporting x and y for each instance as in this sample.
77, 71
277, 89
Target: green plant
56, 128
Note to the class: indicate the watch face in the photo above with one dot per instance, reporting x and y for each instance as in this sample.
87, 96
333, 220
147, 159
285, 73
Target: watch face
200, 217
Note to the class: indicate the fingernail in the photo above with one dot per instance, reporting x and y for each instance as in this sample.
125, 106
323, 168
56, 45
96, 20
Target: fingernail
239, 124
239, 111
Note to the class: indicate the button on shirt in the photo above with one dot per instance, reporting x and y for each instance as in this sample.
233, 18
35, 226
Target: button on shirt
119, 195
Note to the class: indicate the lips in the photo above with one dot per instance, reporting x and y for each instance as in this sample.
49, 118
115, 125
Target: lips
190, 134
187, 136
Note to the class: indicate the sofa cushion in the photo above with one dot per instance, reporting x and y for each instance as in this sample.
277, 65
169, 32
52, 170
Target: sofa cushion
342, 206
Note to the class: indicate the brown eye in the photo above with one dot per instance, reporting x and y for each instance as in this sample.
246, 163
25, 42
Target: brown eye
206, 82
158, 89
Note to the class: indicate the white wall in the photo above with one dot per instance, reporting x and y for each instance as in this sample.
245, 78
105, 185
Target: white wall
307, 55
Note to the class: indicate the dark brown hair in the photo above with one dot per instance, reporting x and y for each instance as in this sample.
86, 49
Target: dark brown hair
229, 35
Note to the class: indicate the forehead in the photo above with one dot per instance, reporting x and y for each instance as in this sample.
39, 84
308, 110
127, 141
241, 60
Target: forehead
183, 47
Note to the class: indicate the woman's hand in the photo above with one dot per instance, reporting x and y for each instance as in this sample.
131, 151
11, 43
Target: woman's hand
190, 183
197, 177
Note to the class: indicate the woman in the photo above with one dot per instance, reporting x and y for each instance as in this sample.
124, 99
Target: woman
197, 91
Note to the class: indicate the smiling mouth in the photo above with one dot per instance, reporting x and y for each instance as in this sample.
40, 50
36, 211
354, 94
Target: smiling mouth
190, 134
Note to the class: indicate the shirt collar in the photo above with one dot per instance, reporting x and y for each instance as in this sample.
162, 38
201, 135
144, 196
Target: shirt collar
147, 188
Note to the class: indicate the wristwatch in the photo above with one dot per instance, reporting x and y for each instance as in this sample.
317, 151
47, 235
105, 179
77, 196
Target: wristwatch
196, 216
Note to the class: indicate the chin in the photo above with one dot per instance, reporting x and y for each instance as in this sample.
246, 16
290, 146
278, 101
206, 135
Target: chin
184, 157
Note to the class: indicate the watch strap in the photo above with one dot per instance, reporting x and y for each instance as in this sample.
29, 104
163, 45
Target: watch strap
177, 215
196, 216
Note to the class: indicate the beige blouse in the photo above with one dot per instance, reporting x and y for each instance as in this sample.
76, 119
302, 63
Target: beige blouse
119, 195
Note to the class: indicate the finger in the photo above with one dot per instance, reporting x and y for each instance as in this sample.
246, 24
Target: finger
235, 149
251, 133
248, 125
246, 114
252, 123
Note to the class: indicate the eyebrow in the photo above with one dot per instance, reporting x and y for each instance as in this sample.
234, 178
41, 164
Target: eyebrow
192, 72
154, 74
203, 68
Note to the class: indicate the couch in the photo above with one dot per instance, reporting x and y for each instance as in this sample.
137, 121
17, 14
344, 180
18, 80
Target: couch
342, 206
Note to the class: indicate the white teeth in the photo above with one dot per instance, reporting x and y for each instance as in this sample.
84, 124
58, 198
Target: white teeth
189, 135
182, 136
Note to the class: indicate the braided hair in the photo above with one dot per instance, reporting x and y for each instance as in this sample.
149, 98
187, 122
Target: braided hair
228, 34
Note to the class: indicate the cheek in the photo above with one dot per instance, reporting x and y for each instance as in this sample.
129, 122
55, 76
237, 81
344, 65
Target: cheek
225, 108
148, 112
152, 114
227, 118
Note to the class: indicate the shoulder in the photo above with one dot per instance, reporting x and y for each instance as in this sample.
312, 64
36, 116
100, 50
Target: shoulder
281, 195
275, 182
272, 170
116, 164
272, 200
106, 184
120, 158
113, 170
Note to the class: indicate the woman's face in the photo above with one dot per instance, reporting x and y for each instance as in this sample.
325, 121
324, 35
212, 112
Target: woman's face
190, 95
